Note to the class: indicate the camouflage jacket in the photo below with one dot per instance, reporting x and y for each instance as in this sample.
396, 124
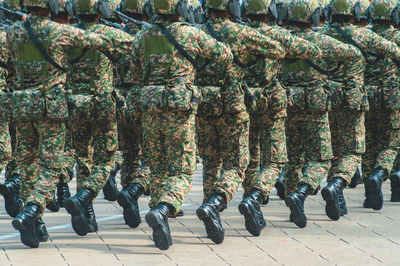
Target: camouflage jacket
92, 69
3, 59
58, 39
295, 47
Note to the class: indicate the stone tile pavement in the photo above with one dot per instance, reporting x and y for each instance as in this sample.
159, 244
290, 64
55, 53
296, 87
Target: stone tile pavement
362, 237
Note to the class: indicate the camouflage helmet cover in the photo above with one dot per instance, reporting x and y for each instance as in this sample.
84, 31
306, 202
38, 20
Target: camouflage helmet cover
36, 3
257, 7
13, 4
304, 11
233, 6
86, 7
384, 10
133, 6
170, 7
217, 4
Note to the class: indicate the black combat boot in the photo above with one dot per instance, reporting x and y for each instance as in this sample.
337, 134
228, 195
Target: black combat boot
179, 214
209, 214
249, 207
62, 194
110, 189
342, 204
157, 219
315, 192
367, 202
25, 223
395, 185
76, 206
331, 193
357, 178
91, 217
374, 188
53, 205
295, 201
10, 191
41, 231
280, 185
128, 200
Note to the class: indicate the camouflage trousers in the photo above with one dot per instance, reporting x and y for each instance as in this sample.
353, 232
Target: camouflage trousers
309, 149
382, 140
95, 142
348, 142
267, 145
40, 158
223, 146
69, 156
11, 167
5, 145
130, 138
170, 151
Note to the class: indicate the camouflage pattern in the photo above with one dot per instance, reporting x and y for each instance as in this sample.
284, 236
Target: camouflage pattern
165, 7
347, 124
217, 4
94, 124
86, 7
343, 7
41, 142
36, 3
223, 139
301, 10
382, 122
382, 9
133, 6
268, 151
5, 145
169, 121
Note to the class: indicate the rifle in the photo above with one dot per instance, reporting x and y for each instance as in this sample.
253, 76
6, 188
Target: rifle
15, 13
124, 17
111, 24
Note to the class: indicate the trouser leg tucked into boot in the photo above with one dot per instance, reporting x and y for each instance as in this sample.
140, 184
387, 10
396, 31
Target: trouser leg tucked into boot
11, 191
295, 201
41, 230
356, 178
76, 206
25, 223
128, 200
53, 205
91, 217
395, 185
63, 194
110, 189
157, 219
331, 194
373, 189
280, 185
209, 214
249, 207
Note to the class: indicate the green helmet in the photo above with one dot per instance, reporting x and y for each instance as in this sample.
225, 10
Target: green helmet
170, 7
304, 11
385, 10
261, 7
36, 3
357, 8
233, 6
133, 6
86, 7
13, 4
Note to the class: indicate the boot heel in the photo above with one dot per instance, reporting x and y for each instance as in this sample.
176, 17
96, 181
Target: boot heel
250, 223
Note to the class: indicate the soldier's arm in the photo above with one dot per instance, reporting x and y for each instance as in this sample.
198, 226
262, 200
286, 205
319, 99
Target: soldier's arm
295, 46
136, 55
121, 42
380, 45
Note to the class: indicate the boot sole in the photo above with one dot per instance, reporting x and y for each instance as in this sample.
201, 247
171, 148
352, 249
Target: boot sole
250, 222
131, 212
28, 237
296, 215
375, 194
78, 218
212, 230
160, 237
280, 190
331, 209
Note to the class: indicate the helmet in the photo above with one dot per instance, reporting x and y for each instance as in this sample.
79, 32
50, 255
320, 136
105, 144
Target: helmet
112, 5
133, 6
233, 6
170, 7
36, 3
357, 8
304, 11
385, 10
261, 7
13, 4
86, 7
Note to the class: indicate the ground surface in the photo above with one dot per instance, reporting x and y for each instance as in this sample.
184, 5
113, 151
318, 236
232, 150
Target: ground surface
361, 237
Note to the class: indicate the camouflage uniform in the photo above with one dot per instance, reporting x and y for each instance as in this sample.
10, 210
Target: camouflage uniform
41, 137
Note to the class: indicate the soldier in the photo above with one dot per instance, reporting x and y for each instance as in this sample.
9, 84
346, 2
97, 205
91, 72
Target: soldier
267, 102
349, 104
134, 172
38, 47
93, 121
308, 133
383, 121
165, 54
224, 137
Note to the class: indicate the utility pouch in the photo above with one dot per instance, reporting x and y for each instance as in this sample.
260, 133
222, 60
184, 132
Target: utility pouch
105, 107
211, 103
391, 96
28, 105
4, 106
182, 97
296, 98
80, 107
318, 100
56, 105
234, 98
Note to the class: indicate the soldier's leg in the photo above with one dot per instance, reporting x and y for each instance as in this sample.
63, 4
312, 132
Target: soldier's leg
11, 168
5, 145
372, 142
210, 150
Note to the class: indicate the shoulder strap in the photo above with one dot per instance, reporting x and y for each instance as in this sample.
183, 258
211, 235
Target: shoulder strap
329, 72
177, 45
40, 47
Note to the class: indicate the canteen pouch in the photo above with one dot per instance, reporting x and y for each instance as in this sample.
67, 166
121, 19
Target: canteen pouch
256, 100
182, 97
354, 98
296, 98
152, 98
234, 98
28, 105
318, 100
4, 106
80, 107
105, 107
211, 103
391, 96
277, 97
56, 105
